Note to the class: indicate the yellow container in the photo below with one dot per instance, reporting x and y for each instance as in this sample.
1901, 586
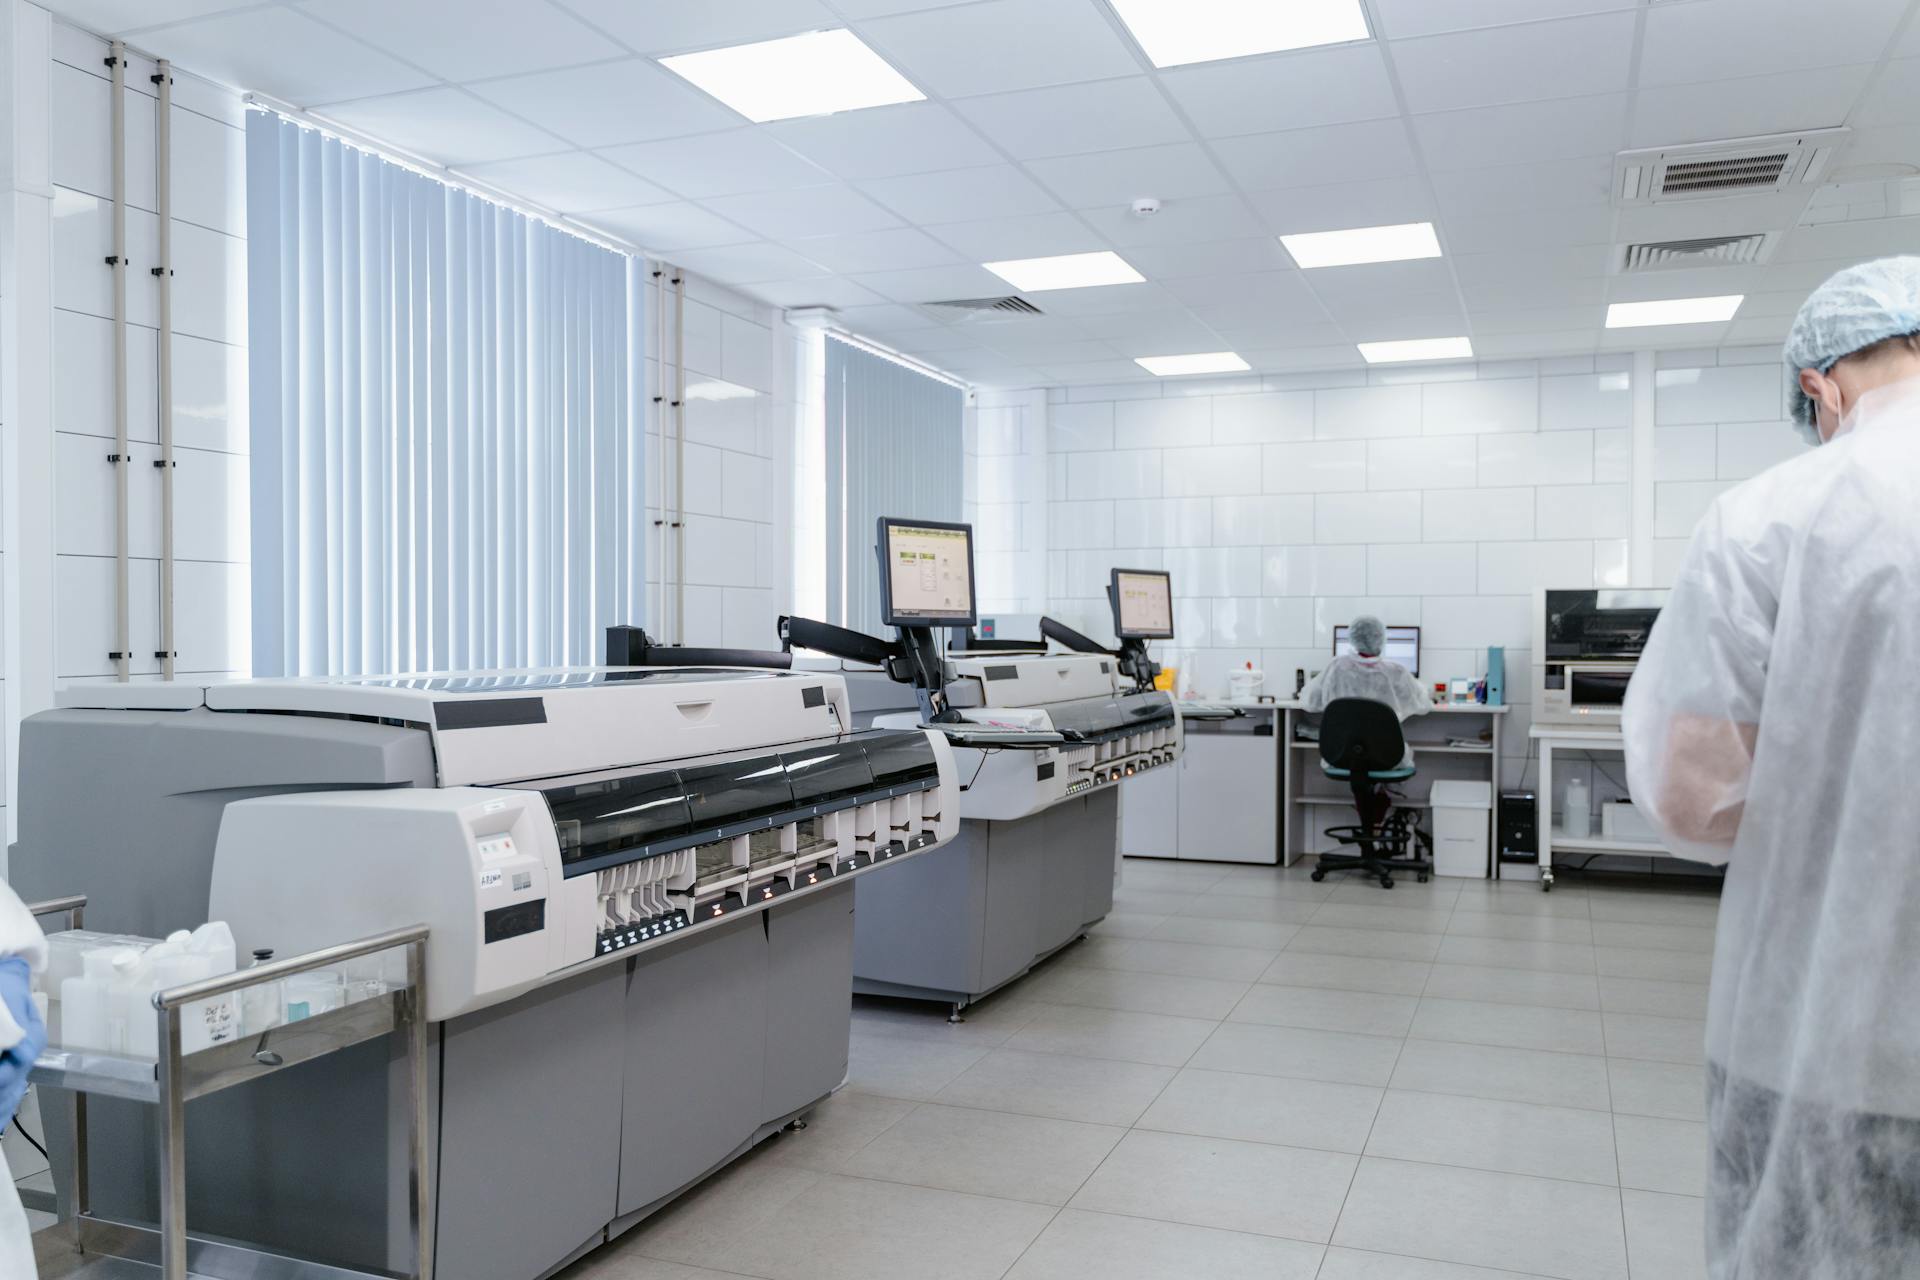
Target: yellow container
1164, 681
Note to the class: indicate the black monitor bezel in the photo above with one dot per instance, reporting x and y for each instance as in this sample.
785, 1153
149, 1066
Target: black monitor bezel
887, 615
1113, 602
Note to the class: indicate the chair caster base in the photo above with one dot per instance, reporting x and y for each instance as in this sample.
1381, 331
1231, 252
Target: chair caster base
1318, 876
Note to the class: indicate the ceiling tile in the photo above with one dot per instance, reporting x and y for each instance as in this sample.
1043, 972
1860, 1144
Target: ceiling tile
1084, 350
1688, 219
1536, 291
610, 103
1553, 184
1338, 286
748, 263
823, 292
1097, 371
1401, 19
444, 37
1285, 91
932, 284
1490, 320
1909, 46
1256, 312
958, 195
1741, 108
1573, 57
885, 142
1889, 144
1035, 235
1282, 290
1119, 177
445, 124
1267, 335
1107, 300
284, 53
667, 227
1201, 218
1530, 265
674, 27
1312, 157
804, 211
1067, 119
886, 316
1288, 359
1562, 343
1895, 98
1878, 238
112, 17
1003, 45
1704, 282
570, 182
898, 249
857, 9
718, 164
1163, 330
1525, 133
1493, 232
1208, 257
1721, 39
1337, 206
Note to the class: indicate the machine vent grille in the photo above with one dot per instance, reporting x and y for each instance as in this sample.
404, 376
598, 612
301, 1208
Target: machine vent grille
1707, 251
1716, 170
1009, 305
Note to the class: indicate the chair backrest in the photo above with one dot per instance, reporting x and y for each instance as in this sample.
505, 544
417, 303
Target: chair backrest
1361, 735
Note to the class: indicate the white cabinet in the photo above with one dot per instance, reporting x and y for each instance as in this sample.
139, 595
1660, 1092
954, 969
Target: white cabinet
1220, 803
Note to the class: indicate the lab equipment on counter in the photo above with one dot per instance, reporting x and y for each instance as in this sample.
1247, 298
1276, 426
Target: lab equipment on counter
1586, 645
1403, 645
1042, 742
1623, 820
1245, 685
639, 884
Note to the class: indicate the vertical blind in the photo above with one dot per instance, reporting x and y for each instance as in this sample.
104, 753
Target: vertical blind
893, 449
446, 431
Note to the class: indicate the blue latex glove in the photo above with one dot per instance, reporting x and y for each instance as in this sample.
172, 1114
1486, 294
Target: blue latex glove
16, 990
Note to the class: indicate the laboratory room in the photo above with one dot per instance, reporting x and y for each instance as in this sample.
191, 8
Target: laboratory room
959, 639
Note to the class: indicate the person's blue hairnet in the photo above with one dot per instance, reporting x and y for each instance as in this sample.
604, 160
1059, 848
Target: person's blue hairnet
1854, 309
1369, 636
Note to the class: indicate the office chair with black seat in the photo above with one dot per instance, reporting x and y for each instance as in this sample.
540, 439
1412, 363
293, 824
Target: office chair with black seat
1362, 745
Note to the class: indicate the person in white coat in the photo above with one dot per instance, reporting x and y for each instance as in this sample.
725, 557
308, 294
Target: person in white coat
1773, 725
23, 953
1365, 674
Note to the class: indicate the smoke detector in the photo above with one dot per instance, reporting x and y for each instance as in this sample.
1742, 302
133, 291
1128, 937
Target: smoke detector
1145, 207
1737, 167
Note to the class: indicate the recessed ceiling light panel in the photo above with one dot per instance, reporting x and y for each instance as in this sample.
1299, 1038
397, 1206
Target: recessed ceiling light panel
1399, 243
1635, 315
1206, 362
1065, 271
1416, 349
810, 75
1175, 32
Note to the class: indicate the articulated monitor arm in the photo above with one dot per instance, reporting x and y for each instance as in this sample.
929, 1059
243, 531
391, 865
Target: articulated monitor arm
1066, 635
1132, 654
912, 659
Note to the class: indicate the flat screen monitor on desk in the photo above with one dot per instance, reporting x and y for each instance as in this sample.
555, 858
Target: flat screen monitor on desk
1403, 646
1142, 604
926, 577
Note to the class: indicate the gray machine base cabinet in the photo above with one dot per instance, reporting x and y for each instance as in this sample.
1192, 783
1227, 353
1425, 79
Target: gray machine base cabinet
970, 917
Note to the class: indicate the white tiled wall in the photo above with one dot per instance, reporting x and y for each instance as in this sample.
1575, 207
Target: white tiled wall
1439, 497
1005, 497
738, 493
211, 581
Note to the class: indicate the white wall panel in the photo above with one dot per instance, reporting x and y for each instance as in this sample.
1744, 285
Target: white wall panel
1266, 417
1351, 413
1159, 424
210, 506
1512, 568
1314, 570
1422, 569
1487, 515
1121, 474
1075, 427
1685, 453
1421, 462
1331, 466
1585, 402
1213, 471
1214, 571
1263, 621
1076, 525
1536, 458
1745, 449
83, 382
1480, 408
1677, 508
1367, 517
1743, 393
1474, 622
1582, 511
1165, 522
1262, 521
212, 606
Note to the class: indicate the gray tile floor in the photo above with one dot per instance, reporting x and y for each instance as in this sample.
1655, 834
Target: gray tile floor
1245, 1074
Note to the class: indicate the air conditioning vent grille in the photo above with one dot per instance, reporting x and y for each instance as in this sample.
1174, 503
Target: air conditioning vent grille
1009, 305
1739, 173
1707, 251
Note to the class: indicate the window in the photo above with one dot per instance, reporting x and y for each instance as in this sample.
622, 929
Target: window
446, 421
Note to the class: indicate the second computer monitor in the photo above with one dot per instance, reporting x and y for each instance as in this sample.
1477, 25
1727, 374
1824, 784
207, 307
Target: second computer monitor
1403, 646
926, 573
1142, 601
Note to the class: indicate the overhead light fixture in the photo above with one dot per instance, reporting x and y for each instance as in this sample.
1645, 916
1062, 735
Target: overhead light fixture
1636, 315
1416, 349
1402, 242
1065, 271
1207, 362
811, 75
1175, 32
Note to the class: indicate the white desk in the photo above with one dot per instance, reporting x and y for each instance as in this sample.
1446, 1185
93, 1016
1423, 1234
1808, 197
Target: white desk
1548, 739
1306, 791
1221, 803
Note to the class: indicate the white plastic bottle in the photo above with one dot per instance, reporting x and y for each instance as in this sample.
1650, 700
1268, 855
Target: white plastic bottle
1579, 809
261, 1008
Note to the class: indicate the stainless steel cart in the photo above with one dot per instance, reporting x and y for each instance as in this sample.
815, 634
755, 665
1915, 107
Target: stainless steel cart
123, 1251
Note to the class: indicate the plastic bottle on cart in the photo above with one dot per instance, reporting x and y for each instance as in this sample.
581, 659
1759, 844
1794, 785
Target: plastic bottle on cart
1579, 809
261, 1007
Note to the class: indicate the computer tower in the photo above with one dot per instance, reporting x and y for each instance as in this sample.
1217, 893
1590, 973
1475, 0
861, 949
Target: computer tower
1519, 829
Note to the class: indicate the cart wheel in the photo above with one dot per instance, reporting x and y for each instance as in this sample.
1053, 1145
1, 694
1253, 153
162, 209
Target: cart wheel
1423, 878
1546, 884
1386, 882
1318, 876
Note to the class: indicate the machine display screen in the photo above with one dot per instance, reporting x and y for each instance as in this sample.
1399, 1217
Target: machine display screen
1142, 604
1611, 625
927, 579
1403, 646
502, 923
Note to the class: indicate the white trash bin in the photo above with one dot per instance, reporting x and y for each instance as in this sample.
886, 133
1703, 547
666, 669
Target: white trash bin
1461, 812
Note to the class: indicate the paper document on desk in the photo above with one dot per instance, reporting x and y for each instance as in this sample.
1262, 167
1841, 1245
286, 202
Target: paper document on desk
1010, 719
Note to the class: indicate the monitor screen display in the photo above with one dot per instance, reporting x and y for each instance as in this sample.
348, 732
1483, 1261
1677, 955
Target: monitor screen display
927, 575
1403, 646
1142, 604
